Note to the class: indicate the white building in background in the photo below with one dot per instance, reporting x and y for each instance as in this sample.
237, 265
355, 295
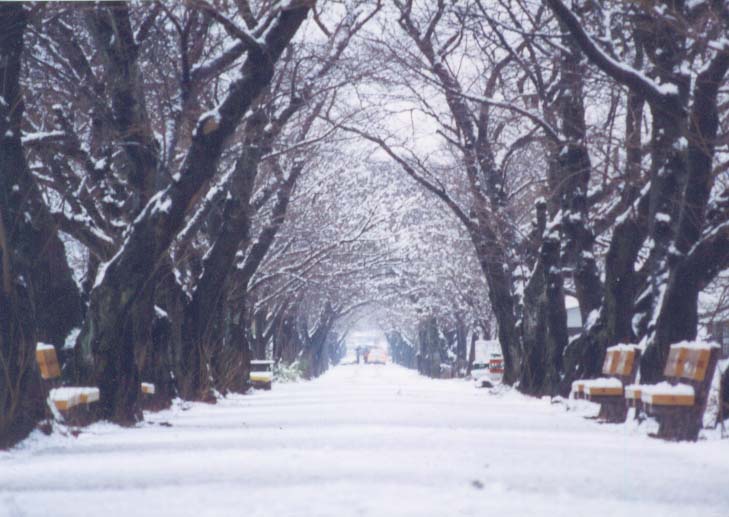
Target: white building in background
574, 318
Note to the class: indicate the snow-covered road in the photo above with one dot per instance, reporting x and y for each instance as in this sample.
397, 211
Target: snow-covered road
366, 440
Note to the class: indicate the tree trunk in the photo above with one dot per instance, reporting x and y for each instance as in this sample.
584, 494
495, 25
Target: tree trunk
21, 393
494, 264
533, 321
105, 334
681, 276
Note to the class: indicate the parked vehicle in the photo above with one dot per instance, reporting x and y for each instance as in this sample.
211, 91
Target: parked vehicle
376, 356
480, 375
261, 375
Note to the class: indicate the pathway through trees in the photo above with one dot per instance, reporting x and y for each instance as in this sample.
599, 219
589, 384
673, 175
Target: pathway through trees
365, 440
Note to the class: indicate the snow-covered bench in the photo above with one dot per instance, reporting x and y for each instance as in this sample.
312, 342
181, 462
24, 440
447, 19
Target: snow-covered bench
679, 403
620, 367
578, 386
75, 404
69, 397
664, 393
148, 388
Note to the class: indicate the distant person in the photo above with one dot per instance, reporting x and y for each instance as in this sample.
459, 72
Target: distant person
358, 350
367, 355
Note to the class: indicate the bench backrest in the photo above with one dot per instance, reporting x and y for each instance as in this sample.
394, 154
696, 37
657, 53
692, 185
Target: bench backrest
610, 364
621, 361
692, 365
45, 356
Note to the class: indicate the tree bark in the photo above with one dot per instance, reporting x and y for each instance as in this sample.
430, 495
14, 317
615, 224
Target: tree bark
682, 281
21, 393
106, 335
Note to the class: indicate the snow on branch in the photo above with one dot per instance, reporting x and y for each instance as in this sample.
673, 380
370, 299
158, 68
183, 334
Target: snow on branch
621, 72
247, 37
43, 137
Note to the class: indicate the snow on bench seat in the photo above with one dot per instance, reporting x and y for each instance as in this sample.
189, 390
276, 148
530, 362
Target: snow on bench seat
666, 394
578, 386
68, 397
606, 387
633, 391
148, 388
89, 395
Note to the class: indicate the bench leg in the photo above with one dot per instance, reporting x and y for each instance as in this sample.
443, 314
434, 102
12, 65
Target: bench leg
639, 413
680, 426
81, 415
613, 412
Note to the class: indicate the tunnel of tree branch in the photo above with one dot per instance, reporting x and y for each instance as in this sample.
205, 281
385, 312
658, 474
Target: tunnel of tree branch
187, 187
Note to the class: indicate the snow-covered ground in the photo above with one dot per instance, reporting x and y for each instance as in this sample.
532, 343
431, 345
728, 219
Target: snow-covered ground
366, 440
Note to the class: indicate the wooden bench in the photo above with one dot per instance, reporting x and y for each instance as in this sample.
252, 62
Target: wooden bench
632, 398
620, 368
679, 402
69, 397
578, 386
75, 404
45, 356
148, 388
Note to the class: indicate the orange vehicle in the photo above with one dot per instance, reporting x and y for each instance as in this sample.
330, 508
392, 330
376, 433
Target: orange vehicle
376, 356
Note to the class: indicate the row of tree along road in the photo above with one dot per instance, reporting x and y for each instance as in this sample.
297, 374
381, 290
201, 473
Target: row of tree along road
186, 187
